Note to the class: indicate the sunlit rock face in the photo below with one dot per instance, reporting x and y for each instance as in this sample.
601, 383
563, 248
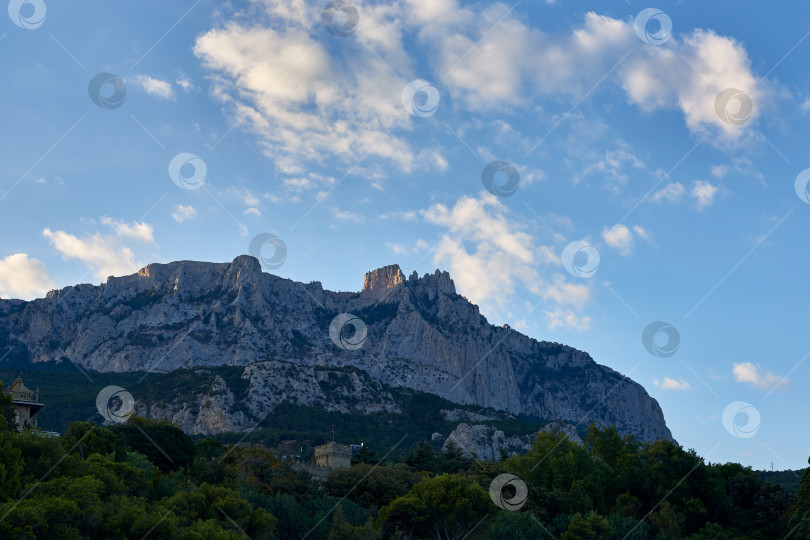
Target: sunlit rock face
419, 334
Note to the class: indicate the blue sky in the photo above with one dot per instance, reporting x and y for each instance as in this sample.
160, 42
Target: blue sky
630, 142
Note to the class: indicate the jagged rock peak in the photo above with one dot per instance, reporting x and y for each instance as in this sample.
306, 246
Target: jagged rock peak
383, 278
444, 284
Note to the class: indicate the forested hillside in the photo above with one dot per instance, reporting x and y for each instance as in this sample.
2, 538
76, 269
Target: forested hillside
145, 479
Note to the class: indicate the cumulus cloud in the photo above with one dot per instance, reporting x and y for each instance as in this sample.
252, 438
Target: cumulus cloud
489, 255
308, 100
24, 277
105, 254
703, 194
184, 212
305, 104
620, 238
752, 374
154, 87
672, 384
670, 193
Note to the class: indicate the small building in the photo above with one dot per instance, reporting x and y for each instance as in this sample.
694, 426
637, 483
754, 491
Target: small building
26, 404
333, 455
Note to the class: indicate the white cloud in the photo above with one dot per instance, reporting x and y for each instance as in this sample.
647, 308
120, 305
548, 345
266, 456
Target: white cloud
489, 255
566, 318
612, 167
670, 193
141, 232
247, 196
642, 233
672, 384
406, 215
105, 254
703, 193
253, 212
184, 82
309, 101
719, 171
396, 248
155, 87
347, 215
184, 212
305, 103
520, 62
24, 277
620, 238
749, 373
688, 74
399, 249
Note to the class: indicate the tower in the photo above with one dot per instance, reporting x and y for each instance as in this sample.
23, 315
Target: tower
25, 402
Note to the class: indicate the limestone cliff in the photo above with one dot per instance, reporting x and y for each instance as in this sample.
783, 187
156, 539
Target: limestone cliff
419, 334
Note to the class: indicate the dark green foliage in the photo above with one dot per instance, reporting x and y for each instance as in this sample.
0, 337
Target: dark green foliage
446, 506
149, 479
370, 486
164, 444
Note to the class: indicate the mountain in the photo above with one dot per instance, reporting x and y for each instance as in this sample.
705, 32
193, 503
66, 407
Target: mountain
416, 332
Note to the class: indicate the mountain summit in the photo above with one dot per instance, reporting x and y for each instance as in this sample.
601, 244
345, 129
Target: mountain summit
416, 333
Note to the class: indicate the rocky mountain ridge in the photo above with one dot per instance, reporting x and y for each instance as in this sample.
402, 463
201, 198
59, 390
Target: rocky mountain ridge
415, 332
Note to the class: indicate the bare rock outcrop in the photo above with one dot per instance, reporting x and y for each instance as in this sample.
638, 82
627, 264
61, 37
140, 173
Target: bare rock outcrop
420, 334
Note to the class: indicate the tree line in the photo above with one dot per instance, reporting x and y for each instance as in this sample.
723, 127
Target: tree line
148, 479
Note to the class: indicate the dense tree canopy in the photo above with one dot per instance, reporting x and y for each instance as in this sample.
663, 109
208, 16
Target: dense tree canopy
148, 479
